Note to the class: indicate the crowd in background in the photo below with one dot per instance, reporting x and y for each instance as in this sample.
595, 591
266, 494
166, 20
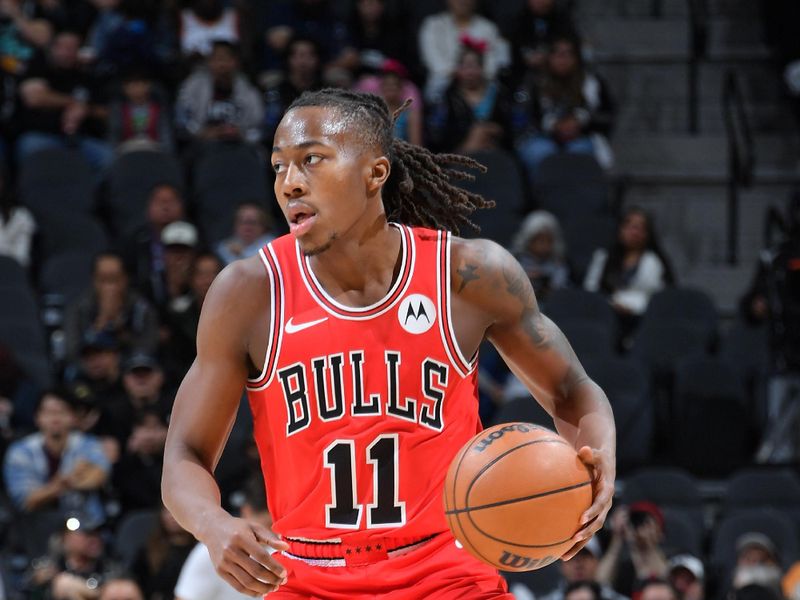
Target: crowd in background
108, 77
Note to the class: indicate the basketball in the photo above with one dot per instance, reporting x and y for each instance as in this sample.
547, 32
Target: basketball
514, 495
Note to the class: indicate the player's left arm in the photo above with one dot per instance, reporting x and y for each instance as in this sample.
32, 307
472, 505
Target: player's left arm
492, 283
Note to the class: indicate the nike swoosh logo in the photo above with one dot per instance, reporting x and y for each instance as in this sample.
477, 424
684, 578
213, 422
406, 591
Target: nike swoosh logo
295, 327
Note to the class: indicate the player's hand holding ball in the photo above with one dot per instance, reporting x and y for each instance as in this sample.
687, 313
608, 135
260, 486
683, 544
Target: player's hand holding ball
237, 549
519, 496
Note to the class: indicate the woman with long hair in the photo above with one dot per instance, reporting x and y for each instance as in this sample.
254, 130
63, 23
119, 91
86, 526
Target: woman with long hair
631, 270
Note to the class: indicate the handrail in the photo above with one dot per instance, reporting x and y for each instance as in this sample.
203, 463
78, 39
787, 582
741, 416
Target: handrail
741, 154
698, 46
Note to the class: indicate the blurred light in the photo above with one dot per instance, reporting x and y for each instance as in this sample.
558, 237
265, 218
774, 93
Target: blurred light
73, 524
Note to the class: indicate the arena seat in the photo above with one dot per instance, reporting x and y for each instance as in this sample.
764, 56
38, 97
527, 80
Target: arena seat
132, 533
503, 183
18, 304
683, 305
66, 275
588, 339
625, 382
572, 186
583, 234
11, 272
681, 534
777, 489
57, 182
524, 409
778, 527
569, 304
129, 181
222, 178
661, 345
72, 232
745, 348
668, 487
711, 432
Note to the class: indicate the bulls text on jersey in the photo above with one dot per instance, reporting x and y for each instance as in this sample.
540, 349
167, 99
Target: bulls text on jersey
418, 400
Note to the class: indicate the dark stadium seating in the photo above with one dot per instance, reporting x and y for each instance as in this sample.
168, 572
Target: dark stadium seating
572, 186
503, 183
711, 432
72, 232
66, 275
129, 181
524, 409
778, 527
11, 272
668, 487
777, 489
625, 382
683, 305
57, 182
132, 533
585, 234
222, 178
570, 304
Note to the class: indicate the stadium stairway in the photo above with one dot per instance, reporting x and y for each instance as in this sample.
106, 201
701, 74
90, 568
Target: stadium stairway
682, 177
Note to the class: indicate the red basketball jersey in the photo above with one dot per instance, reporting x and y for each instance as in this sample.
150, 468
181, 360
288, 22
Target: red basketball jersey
359, 411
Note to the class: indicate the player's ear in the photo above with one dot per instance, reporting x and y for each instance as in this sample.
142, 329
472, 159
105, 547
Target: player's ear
379, 173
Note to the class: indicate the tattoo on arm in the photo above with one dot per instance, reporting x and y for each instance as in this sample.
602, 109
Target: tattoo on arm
468, 273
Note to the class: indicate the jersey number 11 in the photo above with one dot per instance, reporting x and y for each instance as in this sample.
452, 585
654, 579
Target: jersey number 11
345, 511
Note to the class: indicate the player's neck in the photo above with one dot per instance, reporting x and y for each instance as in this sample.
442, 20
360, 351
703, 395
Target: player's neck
360, 267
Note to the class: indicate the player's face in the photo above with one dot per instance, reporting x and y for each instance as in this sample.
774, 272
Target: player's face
322, 177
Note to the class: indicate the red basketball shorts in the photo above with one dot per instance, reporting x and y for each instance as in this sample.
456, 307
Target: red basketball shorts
436, 570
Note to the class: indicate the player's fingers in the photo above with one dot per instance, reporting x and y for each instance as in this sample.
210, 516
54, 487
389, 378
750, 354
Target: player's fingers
600, 505
260, 564
588, 456
252, 586
265, 536
577, 547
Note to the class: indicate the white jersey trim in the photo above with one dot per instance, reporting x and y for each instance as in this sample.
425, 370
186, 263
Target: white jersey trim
275, 337
408, 254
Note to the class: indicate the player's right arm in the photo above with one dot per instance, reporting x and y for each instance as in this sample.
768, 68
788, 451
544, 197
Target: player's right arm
231, 335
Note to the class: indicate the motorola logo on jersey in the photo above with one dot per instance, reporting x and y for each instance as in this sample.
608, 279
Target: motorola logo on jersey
417, 314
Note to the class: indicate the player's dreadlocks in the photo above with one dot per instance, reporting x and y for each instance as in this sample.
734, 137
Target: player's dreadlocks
419, 191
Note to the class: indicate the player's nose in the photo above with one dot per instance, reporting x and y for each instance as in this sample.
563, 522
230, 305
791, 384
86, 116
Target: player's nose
293, 185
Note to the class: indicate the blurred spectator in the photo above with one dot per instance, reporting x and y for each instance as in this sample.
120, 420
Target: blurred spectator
144, 252
310, 19
302, 71
143, 390
140, 117
24, 29
631, 270
112, 307
539, 248
83, 567
687, 575
17, 225
56, 467
378, 37
218, 103
251, 232
757, 563
198, 579
537, 23
635, 552
657, 589
583, 590
582, 569
474, 113
159, 563
137, 475
129, 33
440, 40
62, 105
183, 315
205, 22
95, 379
392, 83
121, 588
572, 110
180, 242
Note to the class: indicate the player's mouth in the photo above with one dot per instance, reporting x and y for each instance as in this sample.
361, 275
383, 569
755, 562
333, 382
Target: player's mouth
301, 218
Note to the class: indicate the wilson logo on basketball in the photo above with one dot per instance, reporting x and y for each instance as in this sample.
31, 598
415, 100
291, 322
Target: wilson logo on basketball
524, 563
498, 433
417, 314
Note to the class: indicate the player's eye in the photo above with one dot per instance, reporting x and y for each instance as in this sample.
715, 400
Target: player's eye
277, 167
313, 159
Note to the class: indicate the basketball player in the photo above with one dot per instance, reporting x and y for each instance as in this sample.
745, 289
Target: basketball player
357, 335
